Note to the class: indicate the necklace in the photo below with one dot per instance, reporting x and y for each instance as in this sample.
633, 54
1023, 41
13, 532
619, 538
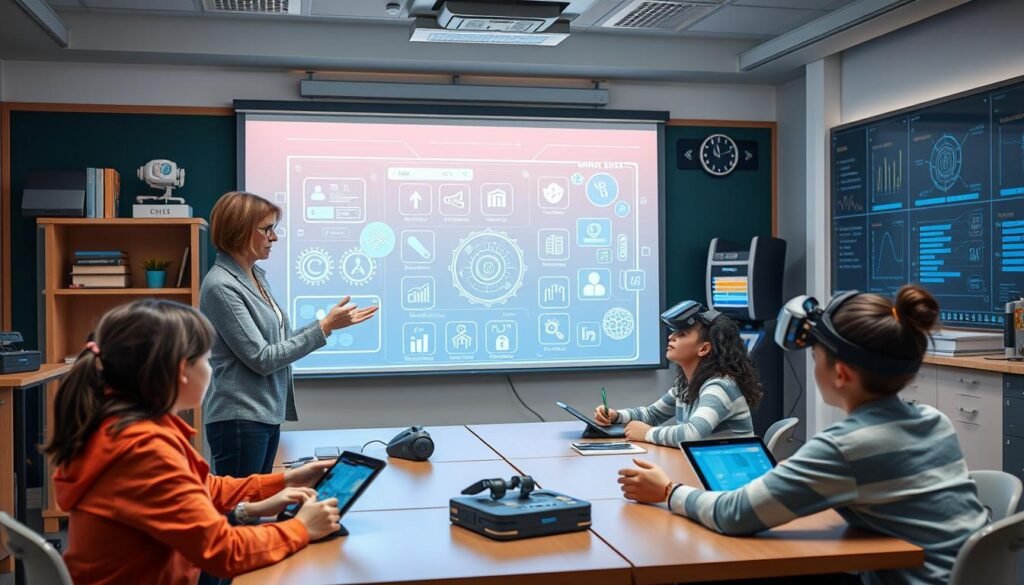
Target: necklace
263, 292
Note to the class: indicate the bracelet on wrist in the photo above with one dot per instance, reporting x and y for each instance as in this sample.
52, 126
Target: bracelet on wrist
242, 514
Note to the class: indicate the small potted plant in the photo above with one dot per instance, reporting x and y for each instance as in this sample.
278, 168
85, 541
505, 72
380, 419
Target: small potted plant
156, 272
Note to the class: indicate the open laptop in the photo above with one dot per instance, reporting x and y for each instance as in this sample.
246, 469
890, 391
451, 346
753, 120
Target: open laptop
346, 480
728, 464
594, 430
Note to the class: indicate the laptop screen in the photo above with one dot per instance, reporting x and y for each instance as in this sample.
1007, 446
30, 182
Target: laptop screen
728, 464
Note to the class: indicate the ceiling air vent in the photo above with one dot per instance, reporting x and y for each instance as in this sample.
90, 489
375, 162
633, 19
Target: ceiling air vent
664, 15
254, 6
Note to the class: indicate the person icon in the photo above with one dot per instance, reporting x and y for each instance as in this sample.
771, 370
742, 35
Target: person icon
358, 269
593, 288
318, 193
461, 339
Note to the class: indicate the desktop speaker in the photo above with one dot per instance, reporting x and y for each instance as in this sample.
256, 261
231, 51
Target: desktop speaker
413, 444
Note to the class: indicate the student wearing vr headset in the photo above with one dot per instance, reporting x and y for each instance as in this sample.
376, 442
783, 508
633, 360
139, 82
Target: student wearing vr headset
714, 389
890, 467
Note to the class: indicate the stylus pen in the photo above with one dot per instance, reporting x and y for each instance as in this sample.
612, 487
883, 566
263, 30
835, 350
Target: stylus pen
604, 400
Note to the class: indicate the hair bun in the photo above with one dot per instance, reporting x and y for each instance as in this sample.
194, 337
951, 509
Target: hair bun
916, 308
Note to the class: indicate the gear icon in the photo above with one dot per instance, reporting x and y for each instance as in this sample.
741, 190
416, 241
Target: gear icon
356, 266
314, 266
487, 267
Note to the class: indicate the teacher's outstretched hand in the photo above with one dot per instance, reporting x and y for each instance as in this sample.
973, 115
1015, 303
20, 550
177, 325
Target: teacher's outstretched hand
344, 314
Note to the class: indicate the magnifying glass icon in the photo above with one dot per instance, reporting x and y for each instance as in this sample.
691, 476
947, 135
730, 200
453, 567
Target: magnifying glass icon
551, 328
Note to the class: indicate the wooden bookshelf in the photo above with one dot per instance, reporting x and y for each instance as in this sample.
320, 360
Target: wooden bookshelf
72, 313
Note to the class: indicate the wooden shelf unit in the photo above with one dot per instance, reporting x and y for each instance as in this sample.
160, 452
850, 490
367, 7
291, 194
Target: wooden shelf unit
72, 313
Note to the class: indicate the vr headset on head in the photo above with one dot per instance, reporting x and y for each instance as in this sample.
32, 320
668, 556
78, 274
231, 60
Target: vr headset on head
686, 314
803, 322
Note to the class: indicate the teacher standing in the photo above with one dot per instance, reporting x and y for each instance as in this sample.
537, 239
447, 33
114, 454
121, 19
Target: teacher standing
252, 391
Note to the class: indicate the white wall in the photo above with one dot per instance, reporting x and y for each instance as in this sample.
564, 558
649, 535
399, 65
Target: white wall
970, 46
395, 401
791, 106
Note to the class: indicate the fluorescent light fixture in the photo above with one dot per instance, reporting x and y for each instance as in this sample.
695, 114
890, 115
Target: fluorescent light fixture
453, 93
425, 30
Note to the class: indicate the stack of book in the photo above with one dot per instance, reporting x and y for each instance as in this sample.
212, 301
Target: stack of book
958, 343
102, 192
100, 269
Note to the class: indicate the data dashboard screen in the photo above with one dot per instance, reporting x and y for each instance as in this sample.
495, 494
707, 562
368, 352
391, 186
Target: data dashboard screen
935, 196
489, 244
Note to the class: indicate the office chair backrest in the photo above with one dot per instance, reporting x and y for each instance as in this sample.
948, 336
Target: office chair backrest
779, 435
998, 491
42, 562
990, 554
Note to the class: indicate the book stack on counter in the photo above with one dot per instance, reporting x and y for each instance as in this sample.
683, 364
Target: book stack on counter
100, 269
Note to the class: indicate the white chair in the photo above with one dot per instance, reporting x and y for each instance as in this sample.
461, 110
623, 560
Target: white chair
998, 491
990, 555
779, 435
41, 562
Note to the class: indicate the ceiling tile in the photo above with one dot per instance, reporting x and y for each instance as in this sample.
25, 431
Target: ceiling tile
751, 20
156, 5
805, 4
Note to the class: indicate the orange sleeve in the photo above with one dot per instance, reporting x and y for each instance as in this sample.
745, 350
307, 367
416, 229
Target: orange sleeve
158, 493
226, 492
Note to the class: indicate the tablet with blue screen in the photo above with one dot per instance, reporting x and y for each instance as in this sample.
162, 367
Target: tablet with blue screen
728, 464
346, 480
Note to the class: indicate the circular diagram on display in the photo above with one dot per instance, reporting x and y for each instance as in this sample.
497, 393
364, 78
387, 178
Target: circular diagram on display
946, 163
313, 266
618, 323
357, 267
487, 267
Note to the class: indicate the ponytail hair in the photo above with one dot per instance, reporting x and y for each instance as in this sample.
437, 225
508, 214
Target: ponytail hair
130, 371
898, 328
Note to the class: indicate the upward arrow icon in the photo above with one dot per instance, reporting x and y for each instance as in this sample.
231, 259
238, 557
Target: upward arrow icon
415, 198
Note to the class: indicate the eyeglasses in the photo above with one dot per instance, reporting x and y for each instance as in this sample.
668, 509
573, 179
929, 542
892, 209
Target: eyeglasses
267, 230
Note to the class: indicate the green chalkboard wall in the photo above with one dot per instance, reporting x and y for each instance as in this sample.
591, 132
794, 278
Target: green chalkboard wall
698, 206
203, 145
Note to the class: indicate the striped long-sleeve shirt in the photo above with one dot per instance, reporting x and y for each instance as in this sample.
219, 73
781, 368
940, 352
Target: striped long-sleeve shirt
889, 467
719, 411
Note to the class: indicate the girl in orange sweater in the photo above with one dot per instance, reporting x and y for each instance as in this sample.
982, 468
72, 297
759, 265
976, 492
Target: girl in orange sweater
143, 506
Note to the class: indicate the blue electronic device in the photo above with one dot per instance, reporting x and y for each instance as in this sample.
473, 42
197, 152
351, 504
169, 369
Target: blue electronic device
728, 464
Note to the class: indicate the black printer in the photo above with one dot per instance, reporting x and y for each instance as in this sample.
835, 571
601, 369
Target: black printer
13, 358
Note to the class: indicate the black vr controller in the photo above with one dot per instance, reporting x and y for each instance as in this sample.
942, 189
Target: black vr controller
413, 444
498, 487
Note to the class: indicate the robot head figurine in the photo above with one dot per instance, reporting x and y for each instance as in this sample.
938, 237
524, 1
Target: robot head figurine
161, 174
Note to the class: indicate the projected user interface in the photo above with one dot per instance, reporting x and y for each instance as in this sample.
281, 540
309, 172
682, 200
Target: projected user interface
487, 247
728, 467
935, 197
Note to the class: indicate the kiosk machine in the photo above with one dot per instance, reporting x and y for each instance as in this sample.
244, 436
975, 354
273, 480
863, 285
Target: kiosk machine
744, 281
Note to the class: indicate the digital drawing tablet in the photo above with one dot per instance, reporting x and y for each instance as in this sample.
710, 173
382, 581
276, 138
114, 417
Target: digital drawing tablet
346, 480
594, 430
728, 464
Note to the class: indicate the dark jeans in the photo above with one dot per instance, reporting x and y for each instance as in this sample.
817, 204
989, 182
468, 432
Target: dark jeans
241, 448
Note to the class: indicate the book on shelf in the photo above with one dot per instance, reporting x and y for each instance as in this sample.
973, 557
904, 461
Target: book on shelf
100, 269
102, 192
101, 280
954, 343
101, 254
101, 262
182, 267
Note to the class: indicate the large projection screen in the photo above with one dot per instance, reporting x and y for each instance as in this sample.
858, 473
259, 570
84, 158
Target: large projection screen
490, 244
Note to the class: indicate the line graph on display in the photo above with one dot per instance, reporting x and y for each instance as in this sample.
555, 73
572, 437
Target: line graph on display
849, 203
887, 251
1011, 155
